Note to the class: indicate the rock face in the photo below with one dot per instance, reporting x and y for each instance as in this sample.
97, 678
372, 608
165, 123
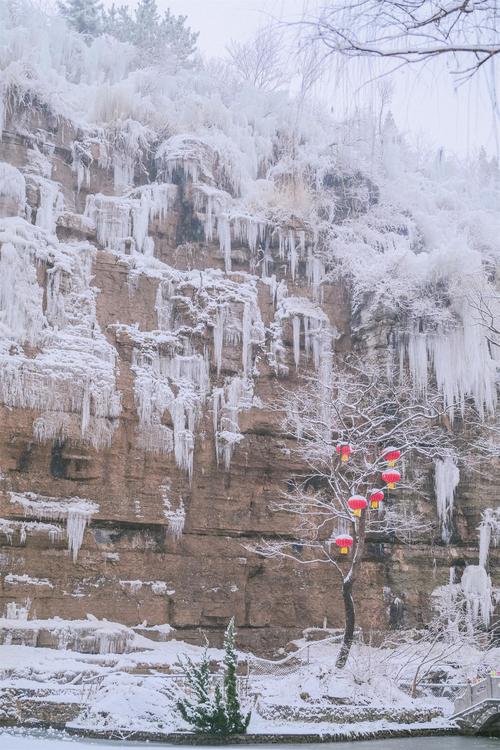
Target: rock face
140, 445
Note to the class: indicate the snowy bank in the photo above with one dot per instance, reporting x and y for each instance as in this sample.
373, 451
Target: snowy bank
134, 694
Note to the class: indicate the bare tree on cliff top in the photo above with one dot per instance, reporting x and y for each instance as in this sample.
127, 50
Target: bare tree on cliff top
260, 61
467, 31
354, 405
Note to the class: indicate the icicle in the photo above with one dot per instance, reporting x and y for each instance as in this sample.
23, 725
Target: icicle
85, 408
155, 437
112, 219
446, 479
217, 402
76, 511
163, 304
99, 431
176, 517
76, 523
484, 542
12, 187
81, 160
292, 249
220, 317
418, 359
140, 223
51, 204
123, 171
315, 274
246, 325
155, 374
476, 585
307, 337
21, 298
489, 530
15, 611
236, 396
462, 364
296, 339
224, 233
73, 369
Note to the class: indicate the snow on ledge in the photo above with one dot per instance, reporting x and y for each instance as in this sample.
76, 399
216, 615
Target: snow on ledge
75, 511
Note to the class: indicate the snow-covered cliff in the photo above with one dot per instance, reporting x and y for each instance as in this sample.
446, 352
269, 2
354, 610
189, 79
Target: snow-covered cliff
175, 248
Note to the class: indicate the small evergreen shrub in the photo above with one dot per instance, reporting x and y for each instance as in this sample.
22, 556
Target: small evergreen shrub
214, 712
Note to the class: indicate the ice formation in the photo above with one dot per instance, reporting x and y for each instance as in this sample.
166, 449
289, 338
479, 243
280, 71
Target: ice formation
123, 223
283, 191
17, 611
174, 382
90, 636
489, 531
461, 360
25, 580
236, 396
159, 588
446, 479
50, 203
158, 373
75, 512
477, 589
73, 369
13, 187
311, 332
174, 513
9, 527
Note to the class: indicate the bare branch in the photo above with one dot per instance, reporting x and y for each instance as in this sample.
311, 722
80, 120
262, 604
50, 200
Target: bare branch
411, 31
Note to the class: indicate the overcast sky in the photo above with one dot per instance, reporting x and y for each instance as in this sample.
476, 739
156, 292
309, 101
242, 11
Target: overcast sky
425, 101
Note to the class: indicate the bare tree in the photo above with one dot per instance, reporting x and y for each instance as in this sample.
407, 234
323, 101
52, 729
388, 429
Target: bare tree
410, 31
417, 654
260, 61
352, 403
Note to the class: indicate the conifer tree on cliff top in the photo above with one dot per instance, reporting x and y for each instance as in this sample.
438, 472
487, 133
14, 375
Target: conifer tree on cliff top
85, 16
159, 38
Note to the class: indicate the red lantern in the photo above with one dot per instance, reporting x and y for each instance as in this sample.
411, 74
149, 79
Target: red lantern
344, 542
376, 497
344, 450
357, 503
391, 455
391, 477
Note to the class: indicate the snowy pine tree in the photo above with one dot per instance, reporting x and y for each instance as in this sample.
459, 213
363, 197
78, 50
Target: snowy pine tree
159, 38
214, 714
146, 31
206, 713
237, 722
118, 23
177, 37
85, 16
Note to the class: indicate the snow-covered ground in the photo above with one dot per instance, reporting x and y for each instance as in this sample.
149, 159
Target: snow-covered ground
302, 693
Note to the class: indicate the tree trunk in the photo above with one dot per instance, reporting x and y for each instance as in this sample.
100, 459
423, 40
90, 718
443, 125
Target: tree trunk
347, 586
350, 622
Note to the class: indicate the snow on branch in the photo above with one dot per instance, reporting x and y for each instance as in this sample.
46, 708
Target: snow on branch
411, 31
